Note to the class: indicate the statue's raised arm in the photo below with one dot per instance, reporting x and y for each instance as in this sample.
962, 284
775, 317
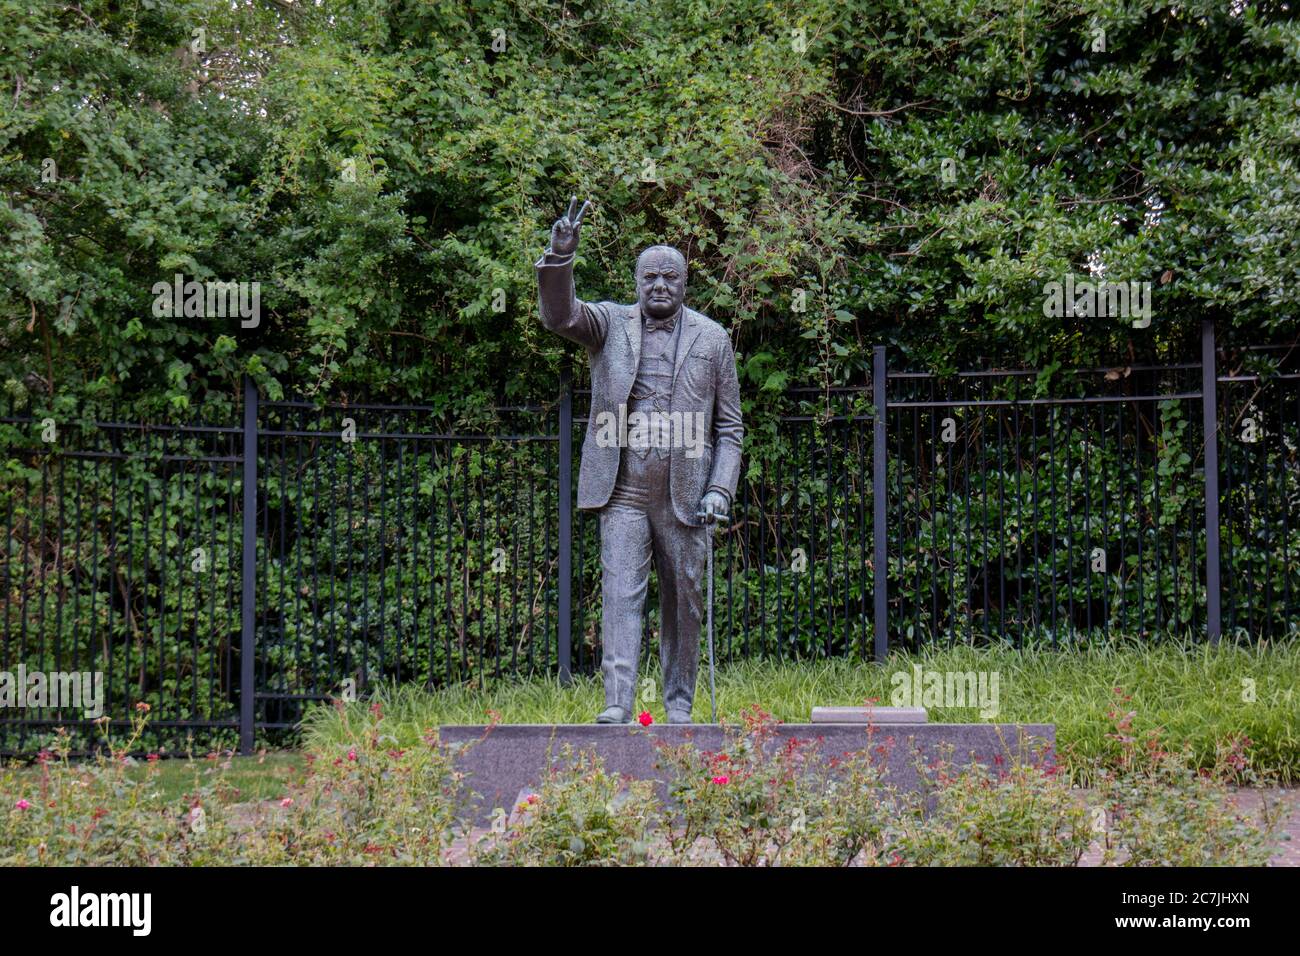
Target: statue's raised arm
560, 308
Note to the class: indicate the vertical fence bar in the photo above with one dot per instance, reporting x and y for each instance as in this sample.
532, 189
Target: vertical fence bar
249, 575
878, 530
1210, 427
564, 608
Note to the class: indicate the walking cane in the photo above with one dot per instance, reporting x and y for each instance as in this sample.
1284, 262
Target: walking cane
709, 522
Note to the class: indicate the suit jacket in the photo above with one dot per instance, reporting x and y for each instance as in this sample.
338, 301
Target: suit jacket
704, 381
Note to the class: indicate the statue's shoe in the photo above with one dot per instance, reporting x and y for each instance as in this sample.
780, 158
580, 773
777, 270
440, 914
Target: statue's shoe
679, 717
614, 715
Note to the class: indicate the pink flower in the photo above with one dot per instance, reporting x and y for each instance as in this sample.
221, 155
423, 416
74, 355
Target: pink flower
287, 802
644, 719
352, 754
153, 758
142, 707
722, 781
22, 805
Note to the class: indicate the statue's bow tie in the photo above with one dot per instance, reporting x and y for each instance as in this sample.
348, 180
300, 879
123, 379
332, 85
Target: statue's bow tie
658, 325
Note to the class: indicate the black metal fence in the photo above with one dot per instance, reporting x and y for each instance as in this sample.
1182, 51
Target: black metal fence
1034, 519
371, 542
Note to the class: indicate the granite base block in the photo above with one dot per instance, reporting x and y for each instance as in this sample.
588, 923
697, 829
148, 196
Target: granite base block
504, 760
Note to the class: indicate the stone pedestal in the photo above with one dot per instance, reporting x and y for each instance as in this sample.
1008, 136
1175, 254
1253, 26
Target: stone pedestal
508, 758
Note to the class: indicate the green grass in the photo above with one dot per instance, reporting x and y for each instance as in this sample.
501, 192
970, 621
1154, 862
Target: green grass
1194, 692
260, 777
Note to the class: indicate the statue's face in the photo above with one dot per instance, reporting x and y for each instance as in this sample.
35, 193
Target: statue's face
660, 281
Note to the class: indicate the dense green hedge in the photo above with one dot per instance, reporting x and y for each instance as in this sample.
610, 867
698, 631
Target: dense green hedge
381, 169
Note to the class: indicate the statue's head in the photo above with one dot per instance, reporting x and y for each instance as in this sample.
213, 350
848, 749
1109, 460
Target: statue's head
661, 281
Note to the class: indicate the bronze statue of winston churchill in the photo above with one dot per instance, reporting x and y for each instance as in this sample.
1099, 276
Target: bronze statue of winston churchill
661, 455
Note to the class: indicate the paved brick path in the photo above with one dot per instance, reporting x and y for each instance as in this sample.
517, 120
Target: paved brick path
1288, 851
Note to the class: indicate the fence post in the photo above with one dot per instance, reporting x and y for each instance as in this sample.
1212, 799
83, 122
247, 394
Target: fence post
1210, 427
248, 576
565, 573
879, 530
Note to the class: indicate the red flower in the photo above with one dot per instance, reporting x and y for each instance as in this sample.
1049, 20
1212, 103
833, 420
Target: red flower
722, 781
142, 707
352, 754
153, 758
644, 718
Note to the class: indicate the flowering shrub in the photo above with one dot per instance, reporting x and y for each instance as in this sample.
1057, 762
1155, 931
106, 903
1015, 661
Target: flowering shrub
1021, 811
1162, 811
757, 802
369, 803
98, 813
365, 801
582, 815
